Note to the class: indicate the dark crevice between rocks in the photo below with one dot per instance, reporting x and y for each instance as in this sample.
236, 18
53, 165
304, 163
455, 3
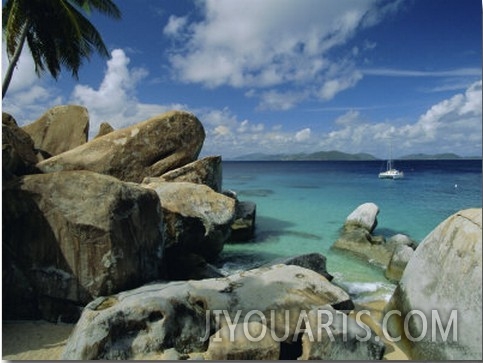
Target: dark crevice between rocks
292, 349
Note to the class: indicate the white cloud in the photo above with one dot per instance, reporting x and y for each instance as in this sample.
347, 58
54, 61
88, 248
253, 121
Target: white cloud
175, 25
453, 121
114, 101
221, 131
452, 125
245, 126
303, 135
27, 96
271, 43
228, 136
24, 75
334, 86
275, 100
347, 118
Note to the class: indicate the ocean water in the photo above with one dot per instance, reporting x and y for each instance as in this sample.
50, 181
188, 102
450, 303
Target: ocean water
301, 207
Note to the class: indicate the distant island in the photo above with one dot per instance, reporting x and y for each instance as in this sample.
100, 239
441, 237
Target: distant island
444, 156
334, 155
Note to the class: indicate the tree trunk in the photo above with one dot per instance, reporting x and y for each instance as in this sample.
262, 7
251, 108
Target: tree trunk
14, 60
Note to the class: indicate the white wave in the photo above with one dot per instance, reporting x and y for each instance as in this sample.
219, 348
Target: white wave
366, 291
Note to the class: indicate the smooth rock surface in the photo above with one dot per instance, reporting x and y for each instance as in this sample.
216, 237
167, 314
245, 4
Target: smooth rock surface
400, 258
182, 315
60, 129
313, 261
365, 216
443, 280
356, 237
149, 148
197, 219
104, 129
69, 237
207, 171
243, 227
18, 155
331, 335
244, 341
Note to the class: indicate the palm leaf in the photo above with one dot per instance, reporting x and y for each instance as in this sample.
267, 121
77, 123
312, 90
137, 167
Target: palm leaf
58, 34
105, 7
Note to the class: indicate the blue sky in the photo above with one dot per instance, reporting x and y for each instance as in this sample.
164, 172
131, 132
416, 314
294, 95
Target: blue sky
283, 76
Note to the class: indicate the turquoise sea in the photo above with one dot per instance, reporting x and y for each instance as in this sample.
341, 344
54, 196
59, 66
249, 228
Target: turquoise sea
301, 206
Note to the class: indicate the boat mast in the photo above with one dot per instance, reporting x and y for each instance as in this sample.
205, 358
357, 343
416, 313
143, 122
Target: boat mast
389, 162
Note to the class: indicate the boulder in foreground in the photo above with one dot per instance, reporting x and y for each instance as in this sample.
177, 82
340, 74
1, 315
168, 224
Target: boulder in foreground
145, 322
69, 237
443, 280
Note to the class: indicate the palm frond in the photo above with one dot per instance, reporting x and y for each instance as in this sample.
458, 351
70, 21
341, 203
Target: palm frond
57, 32
106, 7
14, 21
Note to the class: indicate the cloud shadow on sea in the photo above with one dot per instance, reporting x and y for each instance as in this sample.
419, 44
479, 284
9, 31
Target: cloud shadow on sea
270, 229
255, 192
251, 254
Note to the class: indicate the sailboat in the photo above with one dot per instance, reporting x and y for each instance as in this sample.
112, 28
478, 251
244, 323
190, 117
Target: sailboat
391, 172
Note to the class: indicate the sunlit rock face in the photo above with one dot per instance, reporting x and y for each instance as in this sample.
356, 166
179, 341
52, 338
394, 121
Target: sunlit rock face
149, 148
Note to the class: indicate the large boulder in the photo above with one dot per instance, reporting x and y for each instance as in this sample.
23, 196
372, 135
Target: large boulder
207, 171
196, 218
359, 241
250, 340
365, 216
356, 237
243, 227
18, 155
59, 129
400, 258
69, 237
313, 261
149, 148
401, 240
104, 129
331, 335
186, 316
442, 283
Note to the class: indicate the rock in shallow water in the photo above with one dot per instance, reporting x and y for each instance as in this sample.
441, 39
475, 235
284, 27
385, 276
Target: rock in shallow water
243, 227
355, 237
365, 216
197, 219
313, 261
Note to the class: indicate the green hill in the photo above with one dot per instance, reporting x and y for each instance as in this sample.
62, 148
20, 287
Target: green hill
444, 156
332, 155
